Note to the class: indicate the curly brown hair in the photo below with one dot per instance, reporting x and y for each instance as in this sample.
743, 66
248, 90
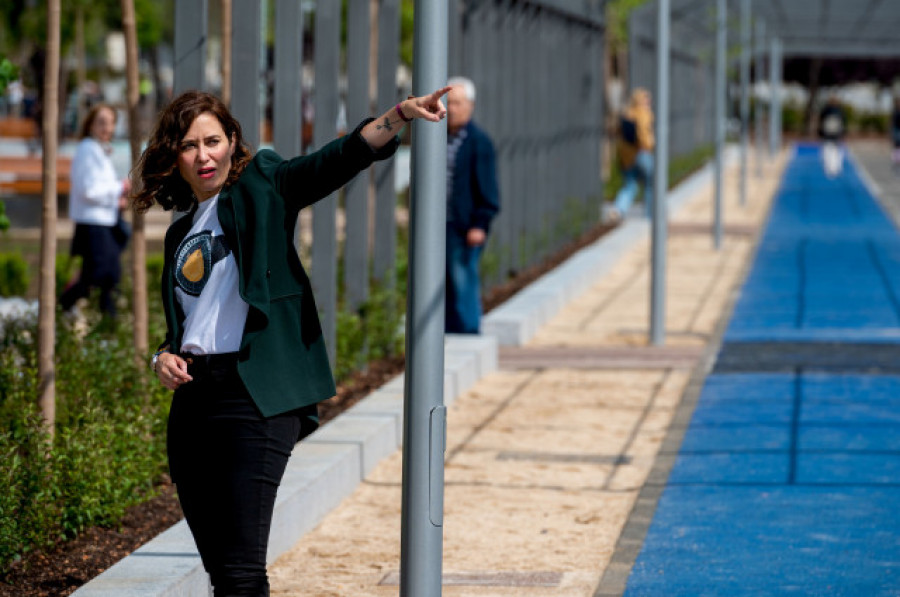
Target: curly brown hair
156, 173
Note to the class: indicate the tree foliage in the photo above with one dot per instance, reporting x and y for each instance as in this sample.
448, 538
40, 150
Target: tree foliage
23, 24
617, 13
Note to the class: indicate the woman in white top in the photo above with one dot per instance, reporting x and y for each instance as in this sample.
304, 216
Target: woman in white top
97, 195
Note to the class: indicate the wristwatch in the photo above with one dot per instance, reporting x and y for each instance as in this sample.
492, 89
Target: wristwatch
155, 359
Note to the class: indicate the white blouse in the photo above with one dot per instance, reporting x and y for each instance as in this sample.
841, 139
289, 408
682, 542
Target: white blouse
95, 188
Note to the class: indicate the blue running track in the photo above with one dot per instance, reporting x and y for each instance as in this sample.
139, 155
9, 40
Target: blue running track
788, 478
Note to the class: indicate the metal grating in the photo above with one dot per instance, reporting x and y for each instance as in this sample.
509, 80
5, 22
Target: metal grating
737, 357
743, 230
488, 579
614, 459
578, 357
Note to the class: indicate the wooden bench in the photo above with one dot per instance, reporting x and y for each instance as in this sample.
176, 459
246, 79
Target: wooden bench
22, 128
23, 175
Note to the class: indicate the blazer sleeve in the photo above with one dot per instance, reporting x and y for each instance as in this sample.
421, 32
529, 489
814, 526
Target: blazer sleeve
306, 179
487, 193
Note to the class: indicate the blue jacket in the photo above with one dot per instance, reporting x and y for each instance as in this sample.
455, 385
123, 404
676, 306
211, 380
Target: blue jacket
475, 198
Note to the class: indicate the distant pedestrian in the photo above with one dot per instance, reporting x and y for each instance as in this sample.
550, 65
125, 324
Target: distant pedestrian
473, 199
635, 152
244, 350
832, 128
15, 95
96, 199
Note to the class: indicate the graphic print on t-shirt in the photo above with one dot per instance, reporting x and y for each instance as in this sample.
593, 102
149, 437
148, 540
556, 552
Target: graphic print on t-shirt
195, 258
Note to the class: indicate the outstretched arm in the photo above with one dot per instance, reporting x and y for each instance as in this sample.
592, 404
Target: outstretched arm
381, 130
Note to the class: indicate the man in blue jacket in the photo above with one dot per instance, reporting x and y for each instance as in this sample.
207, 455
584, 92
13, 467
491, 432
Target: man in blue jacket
472, 202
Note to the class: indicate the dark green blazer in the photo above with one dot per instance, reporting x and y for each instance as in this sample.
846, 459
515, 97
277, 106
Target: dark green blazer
282, 359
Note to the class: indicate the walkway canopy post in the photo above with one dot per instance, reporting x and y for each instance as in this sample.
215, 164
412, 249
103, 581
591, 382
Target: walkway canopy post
759, 47
719, 124
745, 97
424, 421
661, 180
774, 97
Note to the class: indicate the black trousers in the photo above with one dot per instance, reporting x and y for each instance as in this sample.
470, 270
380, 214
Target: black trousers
100, 266
227, 461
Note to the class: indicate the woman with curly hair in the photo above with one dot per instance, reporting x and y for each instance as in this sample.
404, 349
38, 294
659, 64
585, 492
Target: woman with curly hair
243, 351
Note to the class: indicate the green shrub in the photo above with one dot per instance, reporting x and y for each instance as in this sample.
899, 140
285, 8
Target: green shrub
4, 220
351, 345
870, 122
792, 118
66, 266
154, 274
382, 323
13, 274
109, 443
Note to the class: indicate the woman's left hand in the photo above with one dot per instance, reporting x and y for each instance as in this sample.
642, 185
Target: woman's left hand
430, 107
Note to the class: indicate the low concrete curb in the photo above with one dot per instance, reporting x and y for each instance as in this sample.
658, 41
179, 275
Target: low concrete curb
324, 469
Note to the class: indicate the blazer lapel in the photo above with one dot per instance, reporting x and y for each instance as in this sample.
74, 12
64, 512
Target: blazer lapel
178, 231
231, 212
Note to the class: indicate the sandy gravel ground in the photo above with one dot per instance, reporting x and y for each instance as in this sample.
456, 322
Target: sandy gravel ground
543, 464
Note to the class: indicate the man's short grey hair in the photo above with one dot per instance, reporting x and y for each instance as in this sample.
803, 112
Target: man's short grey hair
467, 85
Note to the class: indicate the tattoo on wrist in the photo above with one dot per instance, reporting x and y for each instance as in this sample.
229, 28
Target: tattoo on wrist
385, 125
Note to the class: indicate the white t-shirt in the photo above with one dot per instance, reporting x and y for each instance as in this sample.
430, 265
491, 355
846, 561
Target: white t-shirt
206, 286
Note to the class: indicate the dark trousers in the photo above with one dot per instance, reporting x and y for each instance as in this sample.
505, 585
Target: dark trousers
100, 267
227, 461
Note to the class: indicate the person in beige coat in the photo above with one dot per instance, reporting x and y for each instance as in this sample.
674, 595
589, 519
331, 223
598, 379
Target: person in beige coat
635, 151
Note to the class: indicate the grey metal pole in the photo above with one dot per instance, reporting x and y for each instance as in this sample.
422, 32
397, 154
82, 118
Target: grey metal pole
759, 49
286, 115
424, 421
745, 98
245, 59
356, 193
324, 247
774, 97
190, 45
719, 122
384, 251
660, 180
778, 113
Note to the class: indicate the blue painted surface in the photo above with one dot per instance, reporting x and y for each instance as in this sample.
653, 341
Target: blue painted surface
789, 483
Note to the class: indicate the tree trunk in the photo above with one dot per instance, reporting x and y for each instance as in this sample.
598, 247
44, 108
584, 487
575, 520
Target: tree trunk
809, 117
80, 67
138, 237
160, 94
226, 52
47, 283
